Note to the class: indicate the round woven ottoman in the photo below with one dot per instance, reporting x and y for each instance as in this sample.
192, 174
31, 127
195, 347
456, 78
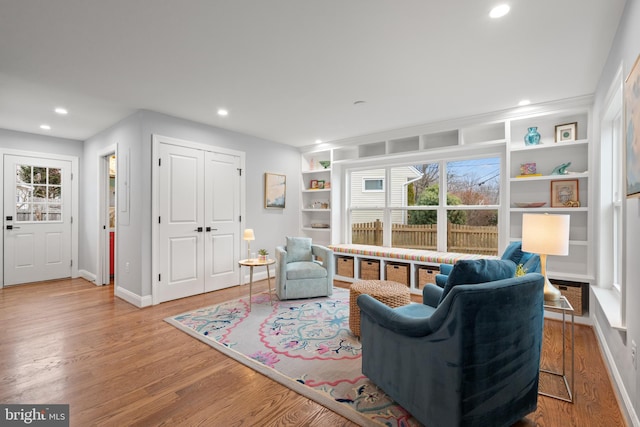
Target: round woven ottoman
393, 294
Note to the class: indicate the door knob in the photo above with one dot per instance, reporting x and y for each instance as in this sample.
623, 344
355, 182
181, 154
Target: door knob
199, 229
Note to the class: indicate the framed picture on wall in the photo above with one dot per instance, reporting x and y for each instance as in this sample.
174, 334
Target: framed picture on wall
275, 190
632, 127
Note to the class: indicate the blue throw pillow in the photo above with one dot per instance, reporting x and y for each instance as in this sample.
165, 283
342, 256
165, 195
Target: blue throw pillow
299, 249
469, 272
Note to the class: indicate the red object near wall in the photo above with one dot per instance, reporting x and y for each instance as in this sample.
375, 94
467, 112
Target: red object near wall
112, 241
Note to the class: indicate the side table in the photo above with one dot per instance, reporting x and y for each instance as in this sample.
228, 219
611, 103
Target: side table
563, 305
255, 262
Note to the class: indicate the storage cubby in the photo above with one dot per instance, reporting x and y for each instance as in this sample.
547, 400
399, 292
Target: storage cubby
404, 145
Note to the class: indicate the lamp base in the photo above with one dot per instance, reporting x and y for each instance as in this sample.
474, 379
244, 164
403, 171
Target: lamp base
551, 293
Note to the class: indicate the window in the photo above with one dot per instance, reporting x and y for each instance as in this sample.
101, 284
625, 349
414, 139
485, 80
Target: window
413, 211
373, 184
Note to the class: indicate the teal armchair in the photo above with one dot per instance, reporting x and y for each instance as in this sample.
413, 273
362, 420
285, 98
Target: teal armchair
470, 359
303, 270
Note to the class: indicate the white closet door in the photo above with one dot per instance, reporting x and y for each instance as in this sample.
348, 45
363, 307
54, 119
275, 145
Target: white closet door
181, 220
222, 215
199, 221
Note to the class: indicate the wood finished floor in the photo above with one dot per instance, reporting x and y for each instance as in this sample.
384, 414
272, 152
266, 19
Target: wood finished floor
68, 341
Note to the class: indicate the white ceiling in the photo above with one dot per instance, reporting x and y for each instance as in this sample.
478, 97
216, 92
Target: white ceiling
290, 70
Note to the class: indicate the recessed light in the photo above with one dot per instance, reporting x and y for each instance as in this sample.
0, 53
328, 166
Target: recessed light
61, 110
45, 127
223, 112
318, 141
524, 102
499, 11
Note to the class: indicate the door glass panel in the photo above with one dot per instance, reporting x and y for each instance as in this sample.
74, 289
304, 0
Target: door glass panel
39, 175
54, 176
55, 212
38, 194
54, 193
23, 174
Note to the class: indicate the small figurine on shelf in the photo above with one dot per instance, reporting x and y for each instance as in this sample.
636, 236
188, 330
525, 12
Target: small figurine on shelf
561, 169
262, 255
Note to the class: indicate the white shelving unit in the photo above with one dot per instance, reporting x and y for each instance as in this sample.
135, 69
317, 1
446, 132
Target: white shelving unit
547, 155
315, 214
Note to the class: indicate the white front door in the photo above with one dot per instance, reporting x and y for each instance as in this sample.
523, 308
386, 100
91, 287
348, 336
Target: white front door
37, 209
199, 221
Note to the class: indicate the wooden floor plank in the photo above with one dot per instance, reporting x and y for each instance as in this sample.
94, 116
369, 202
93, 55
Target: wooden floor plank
68, 341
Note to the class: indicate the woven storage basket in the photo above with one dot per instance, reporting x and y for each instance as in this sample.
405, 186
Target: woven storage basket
369, 269
573, 292
392, 294
344, 266
397, 272
427, 274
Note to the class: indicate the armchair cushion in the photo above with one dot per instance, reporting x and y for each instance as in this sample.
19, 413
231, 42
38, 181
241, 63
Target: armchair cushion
305, 270
299, 249
469, 272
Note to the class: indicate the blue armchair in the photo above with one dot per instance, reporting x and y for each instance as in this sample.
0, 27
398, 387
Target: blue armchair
530, 262
472, 358
299, 273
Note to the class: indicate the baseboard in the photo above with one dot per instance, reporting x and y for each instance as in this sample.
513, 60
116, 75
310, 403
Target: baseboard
627, 405
87, 275
131, 298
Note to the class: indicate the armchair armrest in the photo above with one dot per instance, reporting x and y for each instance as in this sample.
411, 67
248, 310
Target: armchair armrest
327, 260
446, 269
281, 264
390, 319
431, 295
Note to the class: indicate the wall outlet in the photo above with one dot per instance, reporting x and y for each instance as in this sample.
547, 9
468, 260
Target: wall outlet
634, 355
126, 267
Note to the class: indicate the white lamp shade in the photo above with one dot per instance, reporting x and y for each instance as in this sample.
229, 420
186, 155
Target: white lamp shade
545, 234
248, 234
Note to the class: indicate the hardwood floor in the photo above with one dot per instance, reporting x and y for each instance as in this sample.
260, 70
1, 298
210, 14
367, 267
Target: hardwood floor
68, 341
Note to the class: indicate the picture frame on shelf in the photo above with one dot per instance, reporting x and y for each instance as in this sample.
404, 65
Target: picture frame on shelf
320, 184
632, 127
565, 193
567, 132
313, 185
275, 190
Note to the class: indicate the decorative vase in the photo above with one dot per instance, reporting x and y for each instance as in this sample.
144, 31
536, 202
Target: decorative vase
532, 137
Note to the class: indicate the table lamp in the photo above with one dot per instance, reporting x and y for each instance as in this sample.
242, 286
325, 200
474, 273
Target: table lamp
546, 235
249, 236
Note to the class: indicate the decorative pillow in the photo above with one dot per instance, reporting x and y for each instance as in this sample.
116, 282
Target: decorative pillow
470, 272
299, 249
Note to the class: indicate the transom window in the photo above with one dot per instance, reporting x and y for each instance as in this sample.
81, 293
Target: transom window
38, 194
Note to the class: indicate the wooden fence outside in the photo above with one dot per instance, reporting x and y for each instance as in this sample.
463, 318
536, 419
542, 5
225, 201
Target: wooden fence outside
460, 238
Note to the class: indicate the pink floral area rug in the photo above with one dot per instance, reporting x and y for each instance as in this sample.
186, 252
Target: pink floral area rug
306, 345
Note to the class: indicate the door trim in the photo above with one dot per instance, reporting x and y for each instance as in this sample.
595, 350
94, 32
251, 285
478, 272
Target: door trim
74, 201
155, 195
103, 241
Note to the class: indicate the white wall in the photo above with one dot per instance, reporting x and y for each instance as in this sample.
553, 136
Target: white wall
134, 240
617, 345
